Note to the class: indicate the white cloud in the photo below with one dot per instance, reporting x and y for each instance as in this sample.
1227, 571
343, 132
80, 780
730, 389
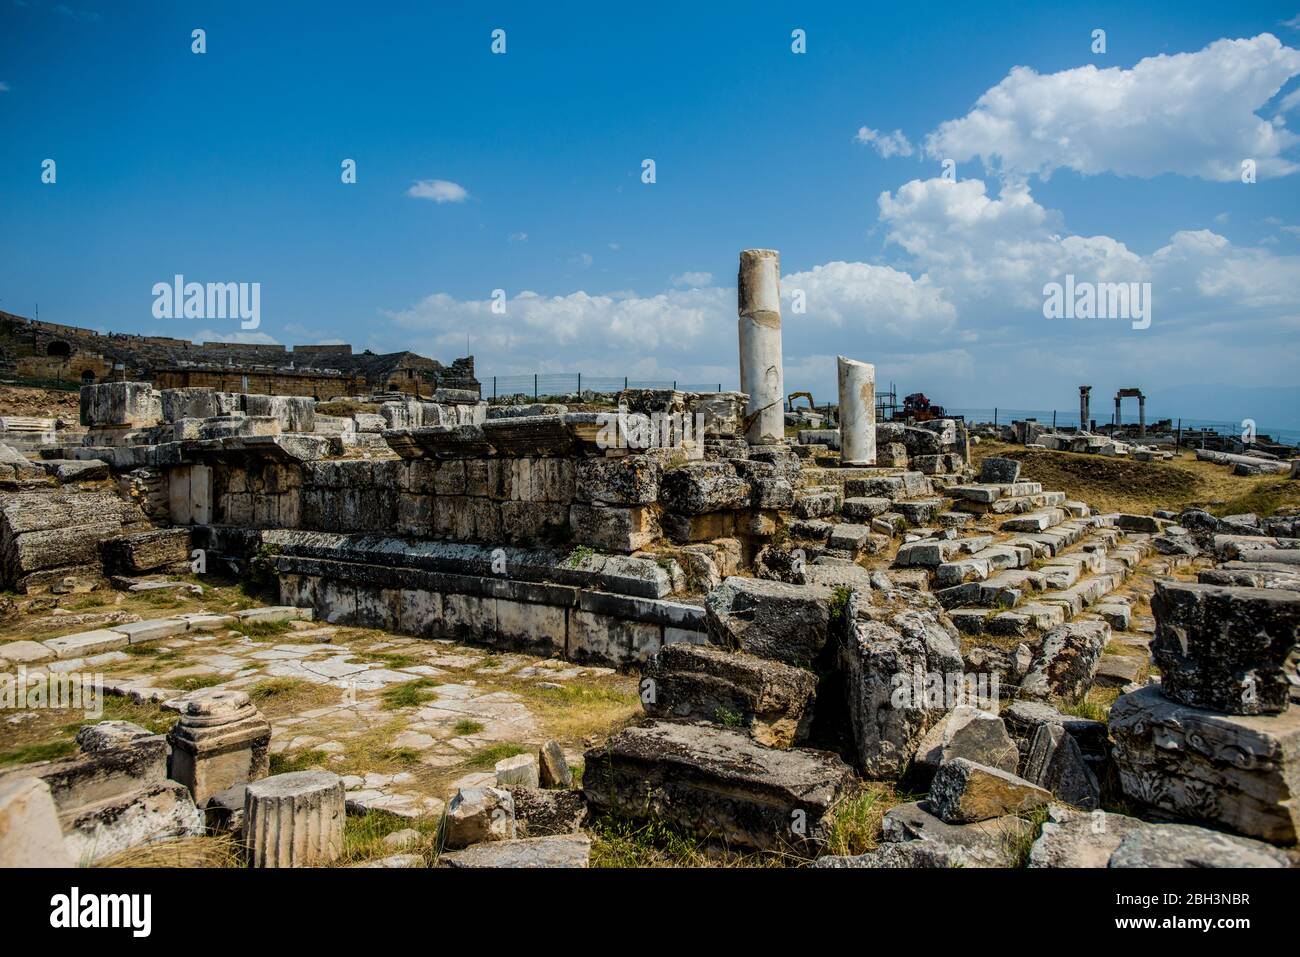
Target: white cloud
438, 190
693, 279
1192, 113
1293, 23
249, 338
517, 238
4, 87
886, 144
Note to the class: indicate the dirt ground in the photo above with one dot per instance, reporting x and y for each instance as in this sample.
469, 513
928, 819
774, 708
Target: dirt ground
41, 403
1117, 484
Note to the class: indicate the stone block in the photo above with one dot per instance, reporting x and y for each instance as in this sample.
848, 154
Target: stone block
1239, 772
773, 701
294, 819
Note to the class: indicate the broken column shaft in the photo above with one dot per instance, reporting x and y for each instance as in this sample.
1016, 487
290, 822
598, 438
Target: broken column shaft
857, 412
761, 377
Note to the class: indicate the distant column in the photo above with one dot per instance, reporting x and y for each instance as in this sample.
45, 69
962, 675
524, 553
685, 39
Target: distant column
761, 378
1084, 403
857, 412
1142, 414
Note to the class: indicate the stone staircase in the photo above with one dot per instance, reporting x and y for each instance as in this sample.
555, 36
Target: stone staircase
1004, 558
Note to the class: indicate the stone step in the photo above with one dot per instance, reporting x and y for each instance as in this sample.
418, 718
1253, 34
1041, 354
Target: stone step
991, 493
934, 552
1074, 582
920, 511
1039, 521
896, 486
1011, 505
983, 563
863, 508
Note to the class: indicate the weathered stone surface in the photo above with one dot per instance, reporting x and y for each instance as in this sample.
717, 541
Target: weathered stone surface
1066, 661
770, 619
965, 732
45, 536
1056, 763
963, 792
1228, 649
1073, 838
294, 819
703, 683
612, 527
135, 554
150, 813
999, 471
566, 850
885, 665
630, 480
518, 771
221, 741
553, 767
989, 843
541, 812
1241, 772
1181, 845
293, 413
480, 814
699, 487
908, 854
24, 653
717, 783
30, 835
120, 404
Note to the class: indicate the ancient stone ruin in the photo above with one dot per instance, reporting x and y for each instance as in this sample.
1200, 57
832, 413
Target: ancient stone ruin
802, 617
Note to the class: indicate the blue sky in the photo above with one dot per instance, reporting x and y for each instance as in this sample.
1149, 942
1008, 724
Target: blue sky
225, 166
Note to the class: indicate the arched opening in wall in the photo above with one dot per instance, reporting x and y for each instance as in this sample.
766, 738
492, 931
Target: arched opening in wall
59, 349
88, 377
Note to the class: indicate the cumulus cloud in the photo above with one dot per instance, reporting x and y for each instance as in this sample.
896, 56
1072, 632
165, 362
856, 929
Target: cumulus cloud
693, 279
4, 87
886, 144
1193, 114
438, 190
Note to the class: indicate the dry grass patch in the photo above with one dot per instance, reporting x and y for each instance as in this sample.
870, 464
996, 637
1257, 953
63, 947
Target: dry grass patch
218, 850
280, 697
1126, 485
856, 819
620, 842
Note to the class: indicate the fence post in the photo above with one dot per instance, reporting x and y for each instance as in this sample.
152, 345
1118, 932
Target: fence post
494, 388
1178, 442
995, 416
579, 385
534, 386
624, 383
1053, 420
719, 386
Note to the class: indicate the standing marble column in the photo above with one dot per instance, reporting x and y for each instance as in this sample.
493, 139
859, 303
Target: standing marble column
857, 412
761, 377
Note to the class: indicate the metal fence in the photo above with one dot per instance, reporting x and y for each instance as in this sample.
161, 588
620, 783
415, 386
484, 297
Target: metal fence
576, 383
1070, 420
552, 385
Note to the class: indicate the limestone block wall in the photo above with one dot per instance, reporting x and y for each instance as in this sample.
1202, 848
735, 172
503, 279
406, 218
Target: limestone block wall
542, 618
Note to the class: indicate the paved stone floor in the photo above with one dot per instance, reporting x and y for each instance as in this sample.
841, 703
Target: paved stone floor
405, 721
